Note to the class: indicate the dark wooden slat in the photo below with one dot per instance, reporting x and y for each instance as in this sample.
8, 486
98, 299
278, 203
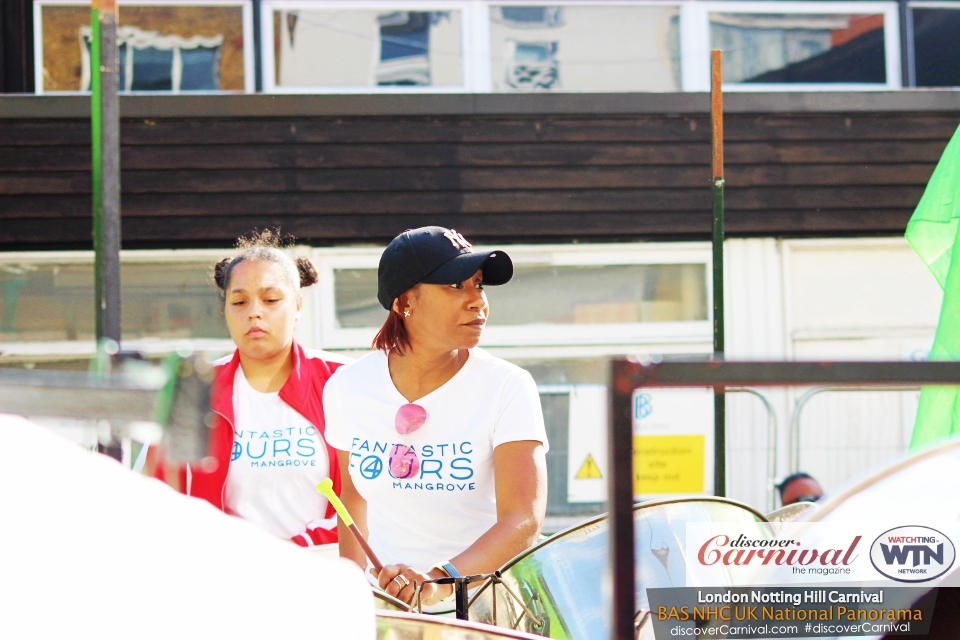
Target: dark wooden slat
406, 155
137, 205
45, 158
466, 202
775, 198
222, 230
45, 183
586, 128
837, 152
364, 180
415, 155
453, 179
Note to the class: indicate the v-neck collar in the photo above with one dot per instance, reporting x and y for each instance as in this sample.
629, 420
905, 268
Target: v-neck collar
385, 371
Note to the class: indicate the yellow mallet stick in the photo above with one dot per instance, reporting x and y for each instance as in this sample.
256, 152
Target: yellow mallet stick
326, 488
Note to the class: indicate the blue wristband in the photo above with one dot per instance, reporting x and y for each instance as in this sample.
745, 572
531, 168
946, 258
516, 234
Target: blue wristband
450, 570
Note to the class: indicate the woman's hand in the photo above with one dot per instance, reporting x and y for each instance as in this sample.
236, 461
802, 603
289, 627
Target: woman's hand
397, 580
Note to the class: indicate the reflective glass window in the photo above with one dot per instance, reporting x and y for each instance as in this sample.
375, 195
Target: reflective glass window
45, 302
800, 48
367, 48
204, 42
936, 45
200, 69
607, 294
152, 69
585, 48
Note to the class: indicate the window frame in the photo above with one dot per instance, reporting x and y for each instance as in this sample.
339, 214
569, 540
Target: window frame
910, 56
507, 339
695, 27
83, 348
249, 62
468, 52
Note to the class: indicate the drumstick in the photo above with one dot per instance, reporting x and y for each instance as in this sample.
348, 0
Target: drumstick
326, 488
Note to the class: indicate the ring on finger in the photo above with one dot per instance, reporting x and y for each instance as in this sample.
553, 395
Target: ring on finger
403, 578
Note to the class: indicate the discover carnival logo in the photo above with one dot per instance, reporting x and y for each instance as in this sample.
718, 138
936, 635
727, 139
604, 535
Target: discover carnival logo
912, 554
745, 551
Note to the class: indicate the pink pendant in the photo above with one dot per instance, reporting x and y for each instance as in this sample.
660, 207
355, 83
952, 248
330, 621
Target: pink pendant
403, 462
410, 417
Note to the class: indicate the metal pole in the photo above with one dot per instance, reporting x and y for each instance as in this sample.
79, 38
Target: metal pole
620, 496
105, 118
719, 398
771, 442
257, 47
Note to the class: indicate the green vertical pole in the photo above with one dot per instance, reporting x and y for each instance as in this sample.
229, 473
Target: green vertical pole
719, 397
97, 160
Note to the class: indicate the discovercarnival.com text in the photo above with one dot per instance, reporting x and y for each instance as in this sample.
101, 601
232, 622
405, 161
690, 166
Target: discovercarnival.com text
809, 630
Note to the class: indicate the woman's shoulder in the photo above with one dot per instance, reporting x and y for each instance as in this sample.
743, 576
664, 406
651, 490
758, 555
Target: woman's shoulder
358, 369
337, 359
485, 362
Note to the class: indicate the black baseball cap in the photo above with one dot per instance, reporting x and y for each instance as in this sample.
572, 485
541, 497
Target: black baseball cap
435, 255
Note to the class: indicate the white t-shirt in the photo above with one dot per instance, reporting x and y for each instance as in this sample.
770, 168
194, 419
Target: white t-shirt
277, 461
451, 502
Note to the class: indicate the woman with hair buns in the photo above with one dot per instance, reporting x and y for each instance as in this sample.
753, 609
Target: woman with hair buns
267, 448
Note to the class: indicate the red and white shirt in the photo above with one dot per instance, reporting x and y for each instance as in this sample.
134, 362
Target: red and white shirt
299, 402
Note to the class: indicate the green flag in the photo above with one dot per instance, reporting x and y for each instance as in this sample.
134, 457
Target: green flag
932, 232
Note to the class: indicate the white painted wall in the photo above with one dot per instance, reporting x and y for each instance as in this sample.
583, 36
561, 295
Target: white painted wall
843, 299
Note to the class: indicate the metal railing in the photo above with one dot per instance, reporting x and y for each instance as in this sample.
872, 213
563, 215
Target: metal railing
808, 395
771, 442
626, 376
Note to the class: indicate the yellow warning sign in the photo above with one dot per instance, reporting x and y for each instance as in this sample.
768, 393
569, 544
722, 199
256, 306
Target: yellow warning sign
588, 470
668, 464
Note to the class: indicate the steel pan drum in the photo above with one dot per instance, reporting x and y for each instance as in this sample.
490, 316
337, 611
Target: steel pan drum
383, 601
793, 512
913, 488
412, 626
562, 579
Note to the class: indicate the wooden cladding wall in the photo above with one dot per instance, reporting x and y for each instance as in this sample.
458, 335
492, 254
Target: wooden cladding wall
532, 178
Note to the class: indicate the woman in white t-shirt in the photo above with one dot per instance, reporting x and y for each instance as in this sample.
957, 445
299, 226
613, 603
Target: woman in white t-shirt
442, 446
267, 450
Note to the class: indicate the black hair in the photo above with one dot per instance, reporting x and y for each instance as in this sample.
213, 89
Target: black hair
793, 476
266, 245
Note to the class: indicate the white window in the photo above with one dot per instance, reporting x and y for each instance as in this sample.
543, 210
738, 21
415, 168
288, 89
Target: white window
800, 46
351, 47
48, 297
152, 62
560, 295
163, 45
584, 47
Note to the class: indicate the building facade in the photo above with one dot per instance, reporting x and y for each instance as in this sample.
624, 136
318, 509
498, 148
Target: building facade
576, 135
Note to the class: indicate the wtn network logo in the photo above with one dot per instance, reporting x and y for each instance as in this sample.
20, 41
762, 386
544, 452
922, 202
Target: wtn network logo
912, 554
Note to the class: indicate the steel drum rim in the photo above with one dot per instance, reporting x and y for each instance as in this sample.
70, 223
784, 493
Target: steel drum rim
391, 600
892, 468
467, 625
636, 507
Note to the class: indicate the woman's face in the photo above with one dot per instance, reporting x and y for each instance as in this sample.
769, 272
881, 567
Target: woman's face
447, 316
261, 308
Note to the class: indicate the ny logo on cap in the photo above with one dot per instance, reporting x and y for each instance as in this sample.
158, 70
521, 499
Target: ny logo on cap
457, 240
